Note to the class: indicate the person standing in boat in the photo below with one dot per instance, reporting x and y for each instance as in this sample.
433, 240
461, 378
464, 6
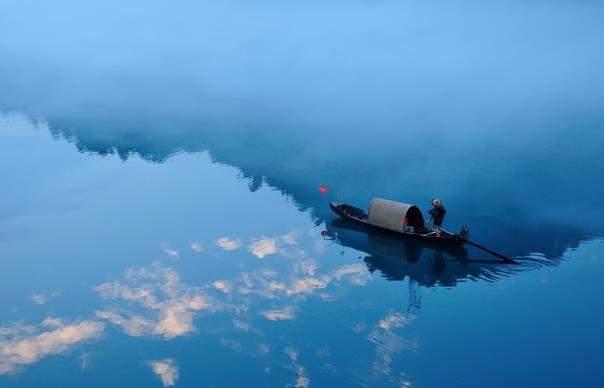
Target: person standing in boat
437, 213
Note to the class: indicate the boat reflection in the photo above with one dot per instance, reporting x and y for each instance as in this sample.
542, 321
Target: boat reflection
427, 264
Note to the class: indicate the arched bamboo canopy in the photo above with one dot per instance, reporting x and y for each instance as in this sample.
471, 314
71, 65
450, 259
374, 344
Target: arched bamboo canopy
394, 215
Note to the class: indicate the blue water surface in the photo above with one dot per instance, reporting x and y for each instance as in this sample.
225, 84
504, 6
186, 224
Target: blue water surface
161, 223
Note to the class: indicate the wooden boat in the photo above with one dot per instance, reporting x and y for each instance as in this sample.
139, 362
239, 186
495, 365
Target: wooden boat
397, 217
406, 220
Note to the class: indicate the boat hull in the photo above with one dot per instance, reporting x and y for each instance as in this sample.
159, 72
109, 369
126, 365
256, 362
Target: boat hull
359, 216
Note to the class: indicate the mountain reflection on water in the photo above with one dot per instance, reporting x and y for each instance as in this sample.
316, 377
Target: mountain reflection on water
152, 301
509, 198
520, 227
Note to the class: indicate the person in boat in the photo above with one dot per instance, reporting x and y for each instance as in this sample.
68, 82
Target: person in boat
437, 213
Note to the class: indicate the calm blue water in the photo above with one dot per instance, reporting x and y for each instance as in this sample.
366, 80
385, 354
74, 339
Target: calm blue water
160, 219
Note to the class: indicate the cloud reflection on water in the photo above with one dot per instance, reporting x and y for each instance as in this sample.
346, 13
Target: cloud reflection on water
263, 247
22, 345
197, 247
153, 301
302, 381
165, 305
166, 370
228, 244
388, 343
284, 314
171, 252
44, 298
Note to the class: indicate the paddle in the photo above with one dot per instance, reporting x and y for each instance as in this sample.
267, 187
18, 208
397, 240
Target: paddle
492, 252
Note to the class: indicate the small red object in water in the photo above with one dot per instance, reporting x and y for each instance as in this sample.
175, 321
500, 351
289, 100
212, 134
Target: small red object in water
323, 188
324, 233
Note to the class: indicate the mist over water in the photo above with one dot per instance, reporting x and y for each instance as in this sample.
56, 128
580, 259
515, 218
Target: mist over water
355, 64
161, 163
429, 88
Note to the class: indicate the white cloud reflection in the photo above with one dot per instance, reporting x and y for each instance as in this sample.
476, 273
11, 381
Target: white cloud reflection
289, 238
303, 280
286, 246
157, 302
85, 360
43, 299
284, 314
302, 381
25, 345
197, 247
355, 273
166, 370
263, 247
388, 342
153, 300
393, 320
227, 244
171, 252
39, 299
223, 285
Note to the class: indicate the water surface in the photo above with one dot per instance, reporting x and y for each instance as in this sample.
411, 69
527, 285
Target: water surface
161, 223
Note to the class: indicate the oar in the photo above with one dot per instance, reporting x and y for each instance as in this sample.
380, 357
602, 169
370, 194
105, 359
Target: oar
492, 252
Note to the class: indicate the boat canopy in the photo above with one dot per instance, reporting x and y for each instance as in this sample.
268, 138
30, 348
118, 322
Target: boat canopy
394, 215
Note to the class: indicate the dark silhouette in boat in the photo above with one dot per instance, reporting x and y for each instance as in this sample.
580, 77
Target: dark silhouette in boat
438, 211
